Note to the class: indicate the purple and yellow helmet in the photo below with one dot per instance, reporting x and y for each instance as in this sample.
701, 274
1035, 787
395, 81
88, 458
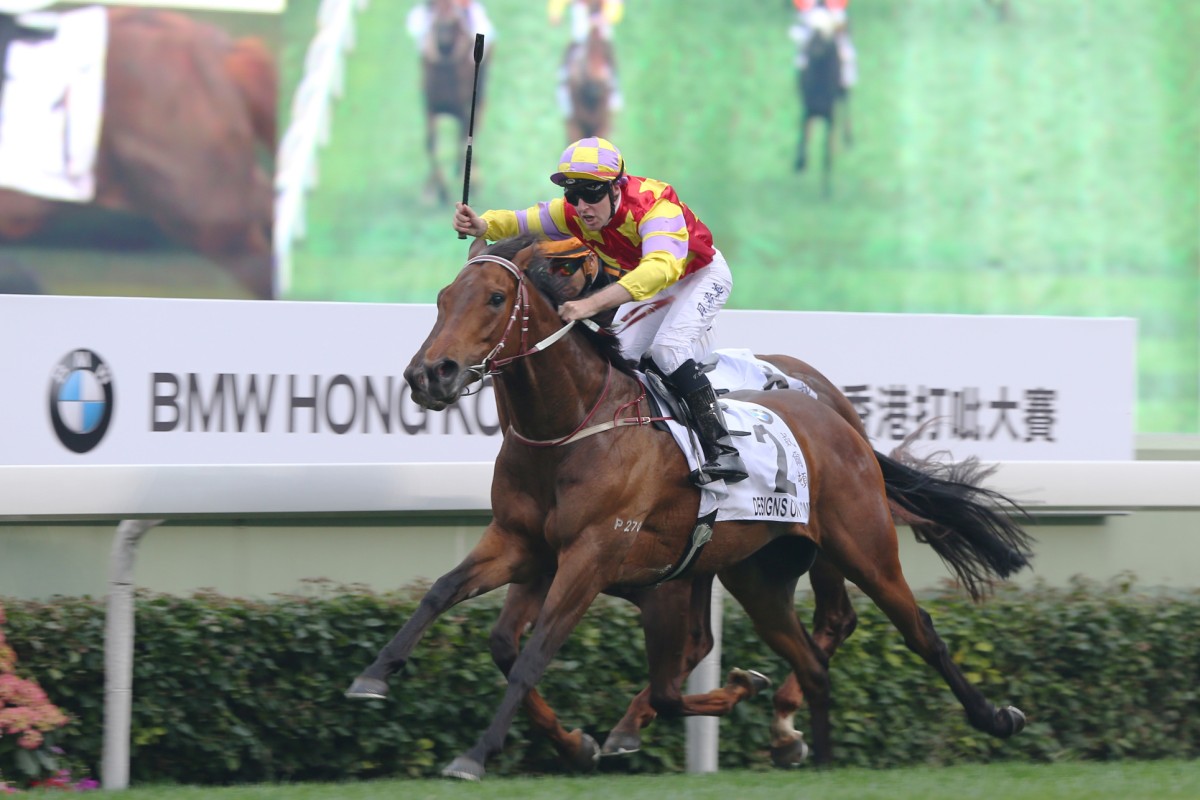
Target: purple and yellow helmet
591, 159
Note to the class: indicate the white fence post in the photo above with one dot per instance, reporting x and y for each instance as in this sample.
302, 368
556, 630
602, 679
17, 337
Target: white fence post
118, 654
704, 733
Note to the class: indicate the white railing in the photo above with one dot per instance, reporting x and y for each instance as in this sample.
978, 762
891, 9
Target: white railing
296, 162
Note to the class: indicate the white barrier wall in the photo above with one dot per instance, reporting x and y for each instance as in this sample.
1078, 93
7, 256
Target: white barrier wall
123, 382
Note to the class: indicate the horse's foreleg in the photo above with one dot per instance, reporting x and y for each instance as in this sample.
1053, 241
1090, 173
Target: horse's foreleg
493, 562
577, 582
521, 607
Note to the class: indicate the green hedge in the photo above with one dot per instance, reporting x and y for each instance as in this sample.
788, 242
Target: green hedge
231, 690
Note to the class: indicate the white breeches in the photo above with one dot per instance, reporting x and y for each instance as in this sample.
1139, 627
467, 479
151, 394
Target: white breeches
676, 324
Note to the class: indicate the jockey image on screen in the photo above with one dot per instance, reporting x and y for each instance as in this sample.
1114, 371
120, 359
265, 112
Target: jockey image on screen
420, 19
670, 281
813, 15
584, 15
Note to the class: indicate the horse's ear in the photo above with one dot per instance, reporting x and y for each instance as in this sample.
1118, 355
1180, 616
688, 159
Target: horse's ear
477, 247
525, 255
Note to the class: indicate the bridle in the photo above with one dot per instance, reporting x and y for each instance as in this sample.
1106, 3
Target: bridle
520, 313
490, 364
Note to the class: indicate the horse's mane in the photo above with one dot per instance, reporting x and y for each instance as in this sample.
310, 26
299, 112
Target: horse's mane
553, 288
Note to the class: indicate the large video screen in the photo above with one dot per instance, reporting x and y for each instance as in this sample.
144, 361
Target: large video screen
987, 157
137, 145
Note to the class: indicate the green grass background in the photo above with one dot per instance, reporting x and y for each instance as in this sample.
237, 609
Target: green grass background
1047, 164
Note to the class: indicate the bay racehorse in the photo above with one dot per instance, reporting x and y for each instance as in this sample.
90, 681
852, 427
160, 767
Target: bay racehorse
944, 505
447, 82
189, 119
591, 76
558, 492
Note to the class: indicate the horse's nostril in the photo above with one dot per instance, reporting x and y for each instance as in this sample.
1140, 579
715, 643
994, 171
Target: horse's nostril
445, 370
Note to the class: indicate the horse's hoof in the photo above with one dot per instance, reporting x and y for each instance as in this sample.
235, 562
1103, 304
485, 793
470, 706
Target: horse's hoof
791, 754
465, 769
365, 688
752, 679
588, 756
1016, 719
621, 744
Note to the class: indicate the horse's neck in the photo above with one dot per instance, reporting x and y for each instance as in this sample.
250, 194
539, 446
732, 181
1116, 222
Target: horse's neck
549, 394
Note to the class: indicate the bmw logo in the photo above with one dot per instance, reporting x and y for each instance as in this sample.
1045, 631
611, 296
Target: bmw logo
81, 400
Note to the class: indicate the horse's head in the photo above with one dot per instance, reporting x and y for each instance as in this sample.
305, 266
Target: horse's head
823, 27
449, 28
482, 315
590, 79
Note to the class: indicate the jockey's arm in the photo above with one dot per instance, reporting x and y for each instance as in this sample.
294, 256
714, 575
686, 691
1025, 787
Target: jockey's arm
546, 220
664, 234
610, 296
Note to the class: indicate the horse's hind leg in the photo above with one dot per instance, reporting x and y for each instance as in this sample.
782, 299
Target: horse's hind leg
834, 619
666, 651
767, 595
860, 538
626, 737
521, 607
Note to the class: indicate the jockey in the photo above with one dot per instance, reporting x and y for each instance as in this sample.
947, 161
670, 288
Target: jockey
420, 20
603, 15
814, 15
656, 248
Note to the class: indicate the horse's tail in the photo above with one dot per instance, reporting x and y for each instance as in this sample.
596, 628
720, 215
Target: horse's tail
967, 525
251, 66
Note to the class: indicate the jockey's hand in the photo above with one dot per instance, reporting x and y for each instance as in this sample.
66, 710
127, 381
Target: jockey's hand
467, 221
610, 296
573, 310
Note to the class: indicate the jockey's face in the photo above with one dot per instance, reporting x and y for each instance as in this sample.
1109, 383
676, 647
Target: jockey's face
593, 202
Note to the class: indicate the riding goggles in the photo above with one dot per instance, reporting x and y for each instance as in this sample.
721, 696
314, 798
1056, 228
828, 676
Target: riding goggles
587, 191
566, 266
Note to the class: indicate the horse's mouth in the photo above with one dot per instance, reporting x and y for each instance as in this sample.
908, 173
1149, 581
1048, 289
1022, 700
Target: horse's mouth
437, 395
430, 404
434, 398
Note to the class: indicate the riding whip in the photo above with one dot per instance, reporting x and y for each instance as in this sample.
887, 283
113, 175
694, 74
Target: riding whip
471, 124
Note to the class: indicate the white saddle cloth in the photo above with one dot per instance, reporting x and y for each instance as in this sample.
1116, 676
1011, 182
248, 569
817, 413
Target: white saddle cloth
777, 488
53, 98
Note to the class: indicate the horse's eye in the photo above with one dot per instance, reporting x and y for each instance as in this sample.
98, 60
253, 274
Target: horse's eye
496, 299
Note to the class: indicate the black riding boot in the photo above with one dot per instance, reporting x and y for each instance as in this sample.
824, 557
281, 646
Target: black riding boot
721, 459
